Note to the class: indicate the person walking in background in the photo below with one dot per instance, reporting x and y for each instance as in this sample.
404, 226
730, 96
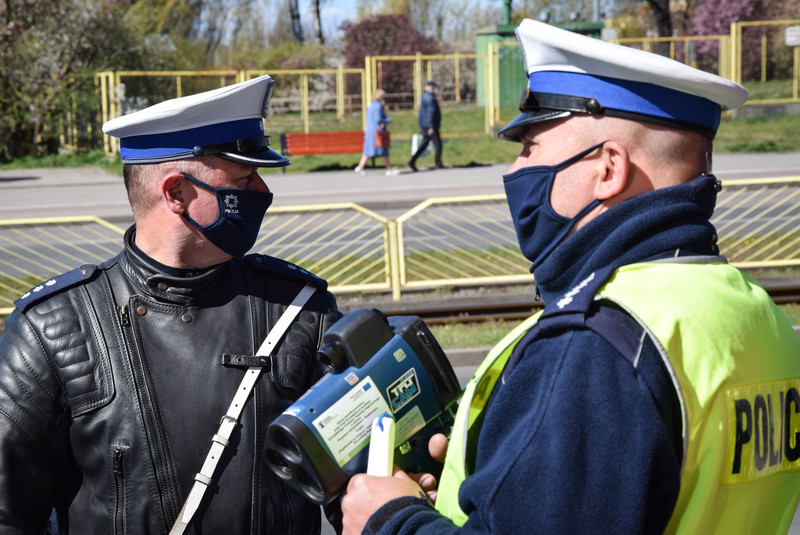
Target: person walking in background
430, 118
376, 136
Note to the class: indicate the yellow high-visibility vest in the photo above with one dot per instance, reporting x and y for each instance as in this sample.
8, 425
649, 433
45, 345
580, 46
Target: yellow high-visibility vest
735, 360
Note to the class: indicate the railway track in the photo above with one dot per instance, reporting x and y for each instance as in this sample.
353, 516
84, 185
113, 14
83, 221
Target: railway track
783, 293
471, 308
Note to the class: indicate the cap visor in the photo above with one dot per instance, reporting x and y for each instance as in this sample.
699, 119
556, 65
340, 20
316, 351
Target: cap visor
264, 158
513, 130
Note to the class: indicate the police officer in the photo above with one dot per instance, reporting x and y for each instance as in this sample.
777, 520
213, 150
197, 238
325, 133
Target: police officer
658, 389
135, 394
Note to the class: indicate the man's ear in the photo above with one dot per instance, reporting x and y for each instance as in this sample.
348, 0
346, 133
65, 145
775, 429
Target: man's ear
172, 192
613, 174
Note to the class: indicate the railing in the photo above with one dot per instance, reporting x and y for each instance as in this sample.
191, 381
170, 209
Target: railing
36, 249
140, 89
459, 241
684, 49
320, 90
442, 242
346, 244
758, 222
779, 49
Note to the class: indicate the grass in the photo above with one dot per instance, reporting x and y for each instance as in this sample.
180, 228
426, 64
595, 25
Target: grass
11, 289
773, 89
465, 144
792, 312
759, 134
470, 335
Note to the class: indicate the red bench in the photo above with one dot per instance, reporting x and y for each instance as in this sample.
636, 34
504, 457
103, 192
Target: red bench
341, 142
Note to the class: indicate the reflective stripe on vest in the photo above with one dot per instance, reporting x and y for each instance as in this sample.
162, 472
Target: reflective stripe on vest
474, 399
738, 378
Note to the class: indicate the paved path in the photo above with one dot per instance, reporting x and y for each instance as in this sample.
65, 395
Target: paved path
92, 191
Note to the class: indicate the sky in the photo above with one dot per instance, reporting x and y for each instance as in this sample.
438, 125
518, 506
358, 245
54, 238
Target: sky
333, 13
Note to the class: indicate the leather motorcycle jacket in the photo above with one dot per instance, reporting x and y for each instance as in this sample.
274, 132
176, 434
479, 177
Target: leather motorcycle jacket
112, 384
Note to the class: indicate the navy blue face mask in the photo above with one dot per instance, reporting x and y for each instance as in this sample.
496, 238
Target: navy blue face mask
539, 228
239, 217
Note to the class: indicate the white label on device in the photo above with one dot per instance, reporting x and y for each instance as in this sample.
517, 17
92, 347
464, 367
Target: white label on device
346, 425
409, 425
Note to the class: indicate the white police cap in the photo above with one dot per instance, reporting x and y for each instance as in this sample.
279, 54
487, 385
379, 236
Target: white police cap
571, 73
226, 122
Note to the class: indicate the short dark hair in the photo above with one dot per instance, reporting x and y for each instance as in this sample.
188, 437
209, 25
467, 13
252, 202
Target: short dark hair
134, 177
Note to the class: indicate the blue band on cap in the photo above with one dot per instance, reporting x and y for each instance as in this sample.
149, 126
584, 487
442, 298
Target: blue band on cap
629, 96
162, 146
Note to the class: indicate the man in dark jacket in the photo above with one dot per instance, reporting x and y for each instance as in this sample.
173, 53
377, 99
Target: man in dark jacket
135, 395
430, 118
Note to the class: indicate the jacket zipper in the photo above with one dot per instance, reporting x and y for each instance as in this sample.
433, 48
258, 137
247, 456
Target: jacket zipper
119, 489
151, 429
287, 509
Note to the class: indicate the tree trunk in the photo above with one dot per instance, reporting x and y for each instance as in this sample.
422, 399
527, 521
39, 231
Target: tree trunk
318, 23
297, 28
661, 13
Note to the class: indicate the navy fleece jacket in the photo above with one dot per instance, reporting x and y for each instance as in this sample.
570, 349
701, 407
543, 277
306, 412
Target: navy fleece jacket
573, 442
429, 114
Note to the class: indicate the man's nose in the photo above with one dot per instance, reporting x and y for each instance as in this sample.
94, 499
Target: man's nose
257, 183
518, 164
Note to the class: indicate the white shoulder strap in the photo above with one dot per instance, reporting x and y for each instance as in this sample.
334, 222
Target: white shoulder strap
220, 440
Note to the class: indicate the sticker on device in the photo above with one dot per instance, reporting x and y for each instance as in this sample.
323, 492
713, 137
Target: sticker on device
346, 425
403, 390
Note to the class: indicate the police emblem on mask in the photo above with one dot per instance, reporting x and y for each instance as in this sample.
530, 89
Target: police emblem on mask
231, 203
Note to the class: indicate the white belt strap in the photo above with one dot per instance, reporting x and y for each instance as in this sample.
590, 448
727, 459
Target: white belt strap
220, 440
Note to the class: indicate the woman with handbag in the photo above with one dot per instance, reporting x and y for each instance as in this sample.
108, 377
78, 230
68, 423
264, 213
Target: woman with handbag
376, 136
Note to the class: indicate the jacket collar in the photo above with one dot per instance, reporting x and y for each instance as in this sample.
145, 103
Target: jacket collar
674, 219
155, 281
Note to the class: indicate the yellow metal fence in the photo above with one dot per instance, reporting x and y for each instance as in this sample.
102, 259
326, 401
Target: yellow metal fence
467, 240
348, 90
758, 222
34, 250
463, 241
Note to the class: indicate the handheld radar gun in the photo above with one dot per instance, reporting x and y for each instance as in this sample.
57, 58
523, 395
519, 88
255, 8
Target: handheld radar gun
388, 372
